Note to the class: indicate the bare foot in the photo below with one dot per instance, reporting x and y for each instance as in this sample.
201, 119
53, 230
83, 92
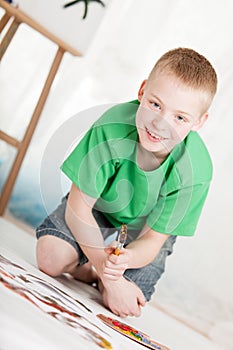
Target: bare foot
85, 273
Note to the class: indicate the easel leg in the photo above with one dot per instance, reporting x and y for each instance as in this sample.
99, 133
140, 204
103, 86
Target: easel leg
4, 20
8, 186
8, 37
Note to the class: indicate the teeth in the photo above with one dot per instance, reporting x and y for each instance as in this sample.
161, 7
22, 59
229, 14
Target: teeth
153, 135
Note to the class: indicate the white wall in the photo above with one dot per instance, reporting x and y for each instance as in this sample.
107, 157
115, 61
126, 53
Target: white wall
133, 35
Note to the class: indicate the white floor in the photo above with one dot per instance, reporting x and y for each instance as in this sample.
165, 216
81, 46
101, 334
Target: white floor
22, 326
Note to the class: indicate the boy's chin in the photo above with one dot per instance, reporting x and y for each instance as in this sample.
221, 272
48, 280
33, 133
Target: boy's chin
158, 148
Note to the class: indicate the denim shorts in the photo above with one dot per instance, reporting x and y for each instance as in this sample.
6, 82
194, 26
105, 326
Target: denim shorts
145, 278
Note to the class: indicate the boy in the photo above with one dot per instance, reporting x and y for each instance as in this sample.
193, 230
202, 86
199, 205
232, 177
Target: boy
142, 164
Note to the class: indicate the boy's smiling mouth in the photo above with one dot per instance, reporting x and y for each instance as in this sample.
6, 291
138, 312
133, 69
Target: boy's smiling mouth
154, 137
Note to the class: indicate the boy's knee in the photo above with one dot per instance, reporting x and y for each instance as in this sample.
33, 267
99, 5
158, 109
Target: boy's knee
51, 257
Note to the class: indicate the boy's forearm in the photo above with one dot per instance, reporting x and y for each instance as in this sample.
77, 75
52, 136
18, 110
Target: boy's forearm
144, 249
97, 257
81, 222
90, 240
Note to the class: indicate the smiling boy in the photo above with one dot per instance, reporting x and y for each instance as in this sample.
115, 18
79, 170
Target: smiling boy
143, 164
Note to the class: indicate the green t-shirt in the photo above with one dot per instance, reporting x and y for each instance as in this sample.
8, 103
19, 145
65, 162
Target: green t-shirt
169, 199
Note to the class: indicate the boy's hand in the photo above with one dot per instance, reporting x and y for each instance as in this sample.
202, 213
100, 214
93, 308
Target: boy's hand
123, 297
115, 265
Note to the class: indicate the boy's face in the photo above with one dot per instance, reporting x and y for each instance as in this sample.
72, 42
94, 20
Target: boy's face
168, 111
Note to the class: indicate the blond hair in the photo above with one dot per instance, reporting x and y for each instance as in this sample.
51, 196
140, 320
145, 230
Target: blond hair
191, 68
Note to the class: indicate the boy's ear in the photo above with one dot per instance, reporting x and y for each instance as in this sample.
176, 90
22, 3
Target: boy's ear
200, 122
141, 90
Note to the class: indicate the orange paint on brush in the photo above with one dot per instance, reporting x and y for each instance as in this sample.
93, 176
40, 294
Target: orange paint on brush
121, 239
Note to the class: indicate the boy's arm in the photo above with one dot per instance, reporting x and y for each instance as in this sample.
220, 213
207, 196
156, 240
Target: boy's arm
81, 222
146, 247
88, 235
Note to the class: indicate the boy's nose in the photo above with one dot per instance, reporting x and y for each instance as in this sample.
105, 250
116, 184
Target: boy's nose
161, 121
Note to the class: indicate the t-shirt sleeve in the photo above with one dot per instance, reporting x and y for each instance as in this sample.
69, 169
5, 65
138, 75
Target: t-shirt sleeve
91, 163
178, 212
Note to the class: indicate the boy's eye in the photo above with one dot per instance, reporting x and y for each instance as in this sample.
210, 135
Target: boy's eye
156, 105
180, 118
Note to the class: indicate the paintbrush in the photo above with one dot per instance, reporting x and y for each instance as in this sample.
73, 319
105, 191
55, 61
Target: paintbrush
121, 239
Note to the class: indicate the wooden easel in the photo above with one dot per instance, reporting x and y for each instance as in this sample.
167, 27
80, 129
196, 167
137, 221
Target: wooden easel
17, 17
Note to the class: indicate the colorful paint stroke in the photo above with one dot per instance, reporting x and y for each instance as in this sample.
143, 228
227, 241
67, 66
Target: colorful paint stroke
132, 333
53, 301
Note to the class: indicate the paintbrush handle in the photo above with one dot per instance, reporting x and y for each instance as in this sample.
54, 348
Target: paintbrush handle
121, 239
